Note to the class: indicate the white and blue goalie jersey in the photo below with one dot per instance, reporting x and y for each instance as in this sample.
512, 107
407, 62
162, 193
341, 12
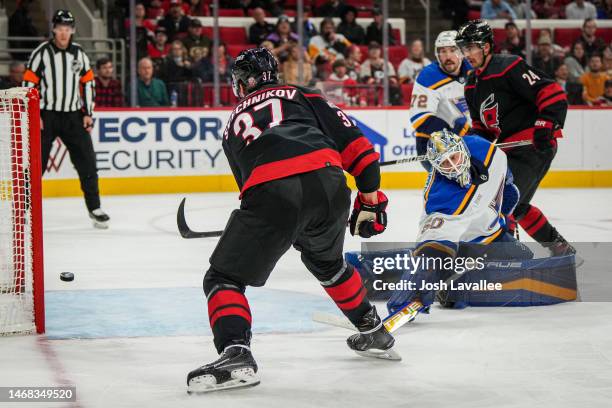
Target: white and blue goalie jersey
474, 213
438, 102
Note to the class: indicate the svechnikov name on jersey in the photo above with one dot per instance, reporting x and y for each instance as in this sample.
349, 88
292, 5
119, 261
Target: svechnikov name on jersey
260, 96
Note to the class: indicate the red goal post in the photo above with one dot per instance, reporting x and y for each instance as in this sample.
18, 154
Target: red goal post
21, 246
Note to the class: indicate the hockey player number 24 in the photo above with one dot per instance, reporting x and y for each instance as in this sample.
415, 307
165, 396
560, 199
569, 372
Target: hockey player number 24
244, 124
530, 77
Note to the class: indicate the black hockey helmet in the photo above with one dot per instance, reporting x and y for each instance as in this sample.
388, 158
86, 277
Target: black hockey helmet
254, 68
63, 17
474, 32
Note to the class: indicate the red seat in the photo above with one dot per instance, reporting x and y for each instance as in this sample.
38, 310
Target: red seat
565, 37
234, 49
605, 33
407, 93
266, 12
499, 36
155, 13
473, 14
233, 35
207, 31
397, 53
364, 4
535, 34
230, 12
397, 35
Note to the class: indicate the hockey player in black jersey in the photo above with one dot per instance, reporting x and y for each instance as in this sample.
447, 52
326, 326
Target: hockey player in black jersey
287, 148
511, 101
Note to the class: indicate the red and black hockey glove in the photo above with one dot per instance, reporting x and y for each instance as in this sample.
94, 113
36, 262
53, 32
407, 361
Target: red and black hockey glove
369, 219
543, 135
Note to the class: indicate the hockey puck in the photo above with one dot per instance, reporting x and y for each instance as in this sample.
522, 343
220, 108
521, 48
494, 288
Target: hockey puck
67, 276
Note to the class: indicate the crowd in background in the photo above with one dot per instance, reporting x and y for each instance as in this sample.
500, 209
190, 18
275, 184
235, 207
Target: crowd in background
345, 61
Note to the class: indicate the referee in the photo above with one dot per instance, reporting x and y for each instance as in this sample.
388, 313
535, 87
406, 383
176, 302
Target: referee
60, 68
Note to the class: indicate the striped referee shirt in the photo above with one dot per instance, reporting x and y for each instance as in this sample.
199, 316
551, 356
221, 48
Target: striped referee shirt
64, 77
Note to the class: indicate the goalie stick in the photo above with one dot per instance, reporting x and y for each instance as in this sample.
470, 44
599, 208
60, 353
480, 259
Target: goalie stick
188, 233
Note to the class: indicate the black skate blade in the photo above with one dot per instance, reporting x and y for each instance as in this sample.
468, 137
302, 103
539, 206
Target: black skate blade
389, 354
242, 378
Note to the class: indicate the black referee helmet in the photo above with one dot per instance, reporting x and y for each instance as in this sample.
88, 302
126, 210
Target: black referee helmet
63, 17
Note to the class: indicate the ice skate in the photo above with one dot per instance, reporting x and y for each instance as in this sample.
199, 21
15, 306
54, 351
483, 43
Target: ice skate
235, 368
373, 340
99, 218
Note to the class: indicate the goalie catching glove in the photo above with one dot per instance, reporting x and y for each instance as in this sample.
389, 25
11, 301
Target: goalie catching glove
368, 218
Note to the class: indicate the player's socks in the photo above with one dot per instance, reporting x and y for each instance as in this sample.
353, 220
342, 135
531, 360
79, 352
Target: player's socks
235, 368
229, 315
537, 226
347, 291
373, 340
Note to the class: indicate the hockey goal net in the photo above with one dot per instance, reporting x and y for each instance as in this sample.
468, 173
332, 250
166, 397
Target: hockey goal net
21, 266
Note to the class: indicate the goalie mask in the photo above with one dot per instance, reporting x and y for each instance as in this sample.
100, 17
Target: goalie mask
449, 156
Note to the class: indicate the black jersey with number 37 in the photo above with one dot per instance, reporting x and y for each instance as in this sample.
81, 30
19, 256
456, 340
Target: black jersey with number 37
509, 96
282, 130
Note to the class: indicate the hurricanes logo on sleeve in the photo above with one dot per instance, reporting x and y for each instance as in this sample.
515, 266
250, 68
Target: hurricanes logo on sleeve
489, 114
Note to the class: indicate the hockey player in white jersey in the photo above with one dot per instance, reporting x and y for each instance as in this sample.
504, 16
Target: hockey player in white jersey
467, 196
438, 101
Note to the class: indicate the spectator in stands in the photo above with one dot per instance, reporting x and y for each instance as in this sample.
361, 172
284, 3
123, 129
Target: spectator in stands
543, 58
267, 44
576, 62
580, 10
373, 68
151, 91
591, 43
572, 89
329, 45
548, 9
160, 48
196, 54
349, 27
594, 80
339, 87
15, 77
194, 37
203, 68
607, 97
193, 8
290, 68
410, 67
309, 30
455, 10
607, 60
497, 9
604, 11
224, 64
176, 67
141, 20
520, 9
514, 43
145, 29
374, 32
353, 62
260, 29
332, 8
108, 89
282, 38
175, 22
20, 25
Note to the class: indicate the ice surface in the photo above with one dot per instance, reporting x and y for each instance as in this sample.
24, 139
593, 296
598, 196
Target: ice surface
133, 322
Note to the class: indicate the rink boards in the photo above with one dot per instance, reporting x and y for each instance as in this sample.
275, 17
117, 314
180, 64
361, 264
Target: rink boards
143, 151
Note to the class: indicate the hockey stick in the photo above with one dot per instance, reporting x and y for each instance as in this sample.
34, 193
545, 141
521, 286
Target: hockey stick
423, 157
187, 233
184, 229
392, 322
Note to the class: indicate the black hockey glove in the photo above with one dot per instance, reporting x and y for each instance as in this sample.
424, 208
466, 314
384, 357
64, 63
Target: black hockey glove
369, 219
543, 138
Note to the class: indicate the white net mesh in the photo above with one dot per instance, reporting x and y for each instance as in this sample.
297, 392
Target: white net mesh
16, 274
